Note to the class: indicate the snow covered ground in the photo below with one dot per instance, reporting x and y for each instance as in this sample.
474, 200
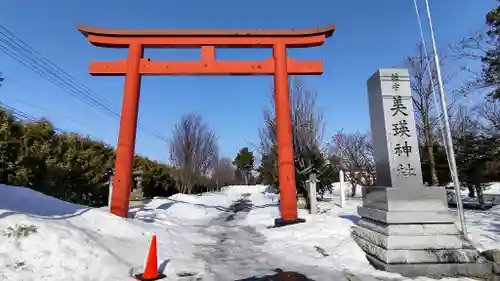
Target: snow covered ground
491, 194
199, 238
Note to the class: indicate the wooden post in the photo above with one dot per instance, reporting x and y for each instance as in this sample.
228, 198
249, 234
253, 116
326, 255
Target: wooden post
110, 192
126, 139
286, 169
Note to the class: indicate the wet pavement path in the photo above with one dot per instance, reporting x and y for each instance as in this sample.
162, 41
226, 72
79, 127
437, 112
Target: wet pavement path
236, 253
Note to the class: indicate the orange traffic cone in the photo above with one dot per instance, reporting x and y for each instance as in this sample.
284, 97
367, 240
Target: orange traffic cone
151, 271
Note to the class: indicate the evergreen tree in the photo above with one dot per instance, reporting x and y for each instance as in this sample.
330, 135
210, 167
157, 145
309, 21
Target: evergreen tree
327, 172
67, 166
475, 155
244, 162
268, 169
491, 59
311, 161
441, 164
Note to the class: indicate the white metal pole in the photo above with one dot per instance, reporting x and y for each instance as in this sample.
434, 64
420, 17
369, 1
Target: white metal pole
449, 141
342, 190
110, 192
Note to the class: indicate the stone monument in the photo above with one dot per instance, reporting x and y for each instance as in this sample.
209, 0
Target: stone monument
406, 227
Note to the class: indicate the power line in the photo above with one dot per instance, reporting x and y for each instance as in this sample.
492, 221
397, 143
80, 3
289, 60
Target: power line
23, 116
20, 51
24, 55
17, 113
10, 79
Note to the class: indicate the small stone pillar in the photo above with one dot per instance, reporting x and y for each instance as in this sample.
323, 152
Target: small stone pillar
406, 227
311, 183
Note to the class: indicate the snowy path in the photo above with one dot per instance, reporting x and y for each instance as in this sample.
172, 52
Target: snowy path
237, 255
236, 249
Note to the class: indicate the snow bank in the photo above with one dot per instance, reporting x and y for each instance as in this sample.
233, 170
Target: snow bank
73, 242
65, 241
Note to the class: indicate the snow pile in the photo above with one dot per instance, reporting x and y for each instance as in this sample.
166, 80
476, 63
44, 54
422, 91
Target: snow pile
492, 188
484, 228
323, 241
242, 189
47, 239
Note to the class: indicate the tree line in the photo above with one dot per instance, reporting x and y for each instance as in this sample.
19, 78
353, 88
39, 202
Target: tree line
65, 165
75, 168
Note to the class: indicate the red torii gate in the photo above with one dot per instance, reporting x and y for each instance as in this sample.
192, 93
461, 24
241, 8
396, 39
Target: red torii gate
207, 40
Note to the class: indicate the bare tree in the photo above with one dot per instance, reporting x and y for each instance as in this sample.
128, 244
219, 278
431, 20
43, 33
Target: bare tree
489, 112
307, 133
223, 173
463, 122
194, 150
469, 51
423, 81
355, 152
307, 122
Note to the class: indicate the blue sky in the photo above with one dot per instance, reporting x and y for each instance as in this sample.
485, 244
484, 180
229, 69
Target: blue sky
370, 35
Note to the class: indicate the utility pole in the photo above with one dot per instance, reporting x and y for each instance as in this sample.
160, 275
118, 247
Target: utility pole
446, 121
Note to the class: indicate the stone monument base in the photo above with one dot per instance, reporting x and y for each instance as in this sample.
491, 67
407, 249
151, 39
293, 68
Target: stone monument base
412, 232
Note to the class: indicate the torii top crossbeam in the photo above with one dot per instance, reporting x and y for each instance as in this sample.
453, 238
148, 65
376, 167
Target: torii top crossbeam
176, 38
207, 41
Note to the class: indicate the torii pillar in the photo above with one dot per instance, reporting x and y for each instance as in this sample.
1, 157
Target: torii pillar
134, 66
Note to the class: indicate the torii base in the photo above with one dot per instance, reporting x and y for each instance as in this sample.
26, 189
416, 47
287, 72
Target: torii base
412, 232
279, 222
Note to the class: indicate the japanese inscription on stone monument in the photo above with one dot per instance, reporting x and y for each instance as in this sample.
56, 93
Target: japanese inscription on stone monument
393, 129
401, 130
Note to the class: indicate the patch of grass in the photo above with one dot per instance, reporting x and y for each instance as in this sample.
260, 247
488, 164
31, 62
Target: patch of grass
20, 230
492, 255
19, 264
186, 274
